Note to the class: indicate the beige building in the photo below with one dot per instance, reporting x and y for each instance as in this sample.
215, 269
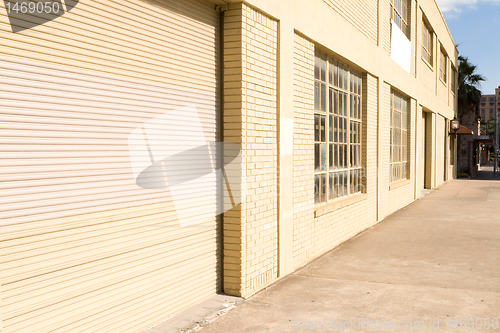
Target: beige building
341, 111
487, 107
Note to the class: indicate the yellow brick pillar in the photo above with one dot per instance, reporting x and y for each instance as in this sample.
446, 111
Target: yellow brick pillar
251, 121
286, 146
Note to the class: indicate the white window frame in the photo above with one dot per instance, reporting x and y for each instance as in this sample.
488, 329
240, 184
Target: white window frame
443, 65
338, 130
427, 43
399, 14
399, 137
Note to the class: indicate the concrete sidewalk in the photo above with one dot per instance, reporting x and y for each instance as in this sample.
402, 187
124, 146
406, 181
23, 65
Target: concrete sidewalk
438, 258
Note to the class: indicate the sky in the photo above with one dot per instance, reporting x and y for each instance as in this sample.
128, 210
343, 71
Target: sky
475, 27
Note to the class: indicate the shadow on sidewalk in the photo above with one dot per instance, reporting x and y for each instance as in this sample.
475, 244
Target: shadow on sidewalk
487, 173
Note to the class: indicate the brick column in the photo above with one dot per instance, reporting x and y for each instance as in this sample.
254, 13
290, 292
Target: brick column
250, 120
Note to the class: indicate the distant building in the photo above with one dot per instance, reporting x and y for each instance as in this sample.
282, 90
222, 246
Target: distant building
488, 105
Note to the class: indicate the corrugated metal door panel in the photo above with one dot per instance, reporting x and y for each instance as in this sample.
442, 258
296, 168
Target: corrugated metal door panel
129, 38
83, 247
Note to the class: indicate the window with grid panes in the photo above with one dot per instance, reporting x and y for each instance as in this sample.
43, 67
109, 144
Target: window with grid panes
337, 137
399, 14
427, 43
398, 137
443, 66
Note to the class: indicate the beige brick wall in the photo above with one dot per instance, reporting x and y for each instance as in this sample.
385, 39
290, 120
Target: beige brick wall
443, 90
394, 196
426, 74
443, 87
303, 153
385, 20
315, 235
362, 14
250, 119
341, 224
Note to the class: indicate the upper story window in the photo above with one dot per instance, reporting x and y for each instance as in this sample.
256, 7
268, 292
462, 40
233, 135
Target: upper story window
491, 99
399, 14
443, 65
399, 137
427, 43
337, 130
453, 80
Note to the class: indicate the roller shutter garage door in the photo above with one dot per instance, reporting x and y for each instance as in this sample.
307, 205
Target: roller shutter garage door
94, 236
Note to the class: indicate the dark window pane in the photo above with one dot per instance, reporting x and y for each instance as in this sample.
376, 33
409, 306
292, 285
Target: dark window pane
316, 128
330, 129
323, 70
330, 156
330, 186
345, 104
341, 156
316, 95
316, 67
323, 97
351, 132
330, 100
316, 188
345, 79
330, 72
341, 76
336, 75
341, 129
354, 156
351, 105
341, 104
323, 188
336, 101
345, 130
316, 157
336, 156
335, 130
323, 129
345, 157
351, 155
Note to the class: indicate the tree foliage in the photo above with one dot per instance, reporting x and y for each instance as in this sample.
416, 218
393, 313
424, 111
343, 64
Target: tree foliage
488, 127
469, 87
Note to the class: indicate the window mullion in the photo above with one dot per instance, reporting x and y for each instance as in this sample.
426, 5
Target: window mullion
327, 130
349, 133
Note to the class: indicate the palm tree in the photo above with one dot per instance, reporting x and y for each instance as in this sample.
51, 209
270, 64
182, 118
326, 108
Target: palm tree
469, 84
469, 97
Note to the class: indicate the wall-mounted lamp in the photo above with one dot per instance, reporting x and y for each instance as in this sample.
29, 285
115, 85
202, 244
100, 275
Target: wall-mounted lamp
455, 126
